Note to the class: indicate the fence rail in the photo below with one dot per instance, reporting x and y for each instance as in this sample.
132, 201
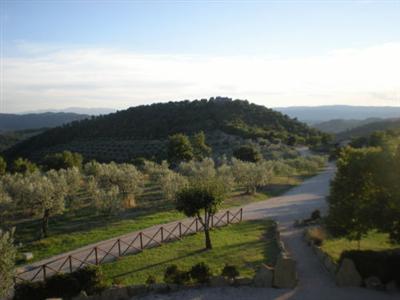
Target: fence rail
113, 249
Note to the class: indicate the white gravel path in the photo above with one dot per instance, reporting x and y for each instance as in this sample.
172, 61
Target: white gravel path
315, 283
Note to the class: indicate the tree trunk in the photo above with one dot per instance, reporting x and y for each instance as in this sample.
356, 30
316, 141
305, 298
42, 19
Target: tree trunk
208, 239
45, 223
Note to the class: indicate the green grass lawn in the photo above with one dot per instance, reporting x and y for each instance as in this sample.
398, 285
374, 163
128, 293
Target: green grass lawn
245, 245
73, 230
373, 241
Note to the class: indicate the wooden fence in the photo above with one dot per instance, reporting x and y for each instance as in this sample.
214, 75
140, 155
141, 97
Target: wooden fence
113, 249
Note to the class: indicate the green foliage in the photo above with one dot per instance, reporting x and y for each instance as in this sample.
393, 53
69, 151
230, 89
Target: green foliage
365, 193
248, 153
173, 275
179, 149
63, 160
89, 279
230, 271
22, 165
200, 148
200, 273
383, 264
198, 200
151, 280
7, 261
3, 166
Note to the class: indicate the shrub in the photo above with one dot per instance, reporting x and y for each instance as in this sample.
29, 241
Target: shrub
230, 271
62, 285
383, 264
201, 273
315, 215
151, 280
174, 275
91, 279
317, 235
30, 291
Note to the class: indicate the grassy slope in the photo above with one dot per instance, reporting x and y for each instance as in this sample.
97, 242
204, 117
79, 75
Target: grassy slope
245, 245
71, 231
373, 241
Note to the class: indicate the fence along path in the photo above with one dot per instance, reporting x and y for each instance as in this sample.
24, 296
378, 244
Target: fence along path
129, 244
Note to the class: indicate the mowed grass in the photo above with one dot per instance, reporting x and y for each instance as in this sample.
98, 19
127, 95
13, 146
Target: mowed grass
245, 245
373, 241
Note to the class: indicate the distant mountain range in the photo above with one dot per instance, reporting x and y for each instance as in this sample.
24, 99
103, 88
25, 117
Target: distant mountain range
367, 129
318, 114
93, 111
340, 125
15, 122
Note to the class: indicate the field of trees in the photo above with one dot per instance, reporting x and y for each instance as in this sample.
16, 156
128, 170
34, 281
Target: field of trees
59, 210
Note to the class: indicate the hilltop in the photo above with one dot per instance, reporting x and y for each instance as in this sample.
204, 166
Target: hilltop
143, 130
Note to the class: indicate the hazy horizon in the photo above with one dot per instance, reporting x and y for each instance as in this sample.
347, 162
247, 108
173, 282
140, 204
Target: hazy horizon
56, 55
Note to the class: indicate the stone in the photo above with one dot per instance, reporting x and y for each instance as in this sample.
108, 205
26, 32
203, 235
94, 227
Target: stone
330, 265
218, 281
82, 296
392, 287
137, 290
285, 274
159, 287
115, 294
240, 281
347, 274
263, 277
373, 283
27, 256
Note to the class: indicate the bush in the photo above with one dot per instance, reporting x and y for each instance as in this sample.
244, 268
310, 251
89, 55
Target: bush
201, 273
89, 279
383, 264
30, 291
151, 280
173, 275
317, 235
315, 215
62, 285
230, 272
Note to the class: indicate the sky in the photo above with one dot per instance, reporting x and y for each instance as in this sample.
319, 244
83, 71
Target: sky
58, 54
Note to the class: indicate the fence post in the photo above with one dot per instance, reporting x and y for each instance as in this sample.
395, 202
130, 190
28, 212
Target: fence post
119, 247
162, 233
95, 255
241, 214
197, 224
180, 229
212, 220
44, 272
70, 263
141, 240
227, 217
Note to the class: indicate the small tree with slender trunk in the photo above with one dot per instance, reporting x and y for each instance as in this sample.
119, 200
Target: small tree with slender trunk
201, 201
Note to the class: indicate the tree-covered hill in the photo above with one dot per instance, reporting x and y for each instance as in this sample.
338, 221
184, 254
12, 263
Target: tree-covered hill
340, 125
367, 129
151, 124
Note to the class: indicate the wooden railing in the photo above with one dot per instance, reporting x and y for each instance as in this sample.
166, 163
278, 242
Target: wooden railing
113, 249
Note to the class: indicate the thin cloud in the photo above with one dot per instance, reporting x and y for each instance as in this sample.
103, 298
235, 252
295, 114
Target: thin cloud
53, 77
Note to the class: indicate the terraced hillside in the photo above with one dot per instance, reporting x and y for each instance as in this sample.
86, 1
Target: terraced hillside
143, 130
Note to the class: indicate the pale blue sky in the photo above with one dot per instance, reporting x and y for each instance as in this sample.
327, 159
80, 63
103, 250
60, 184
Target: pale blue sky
86, 38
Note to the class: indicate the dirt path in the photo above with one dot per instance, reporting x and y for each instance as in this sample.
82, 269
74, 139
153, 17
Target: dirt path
315, 283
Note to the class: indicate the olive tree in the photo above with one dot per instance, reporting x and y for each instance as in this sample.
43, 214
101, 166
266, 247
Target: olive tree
201, 201
251, 175
7, 262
